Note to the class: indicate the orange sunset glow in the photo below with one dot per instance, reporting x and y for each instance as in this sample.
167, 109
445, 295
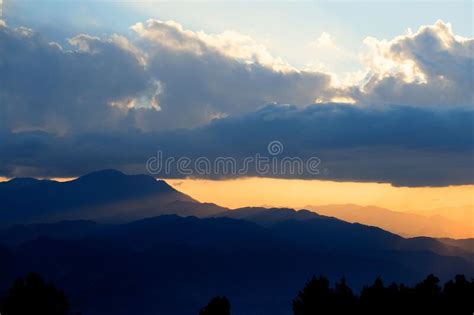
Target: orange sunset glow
299, 193
436, 211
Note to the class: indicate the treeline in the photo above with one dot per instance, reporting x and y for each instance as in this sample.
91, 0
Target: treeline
32, 295
318, 297
456, 297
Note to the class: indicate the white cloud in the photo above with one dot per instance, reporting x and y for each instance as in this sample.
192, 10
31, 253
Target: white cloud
325, 40
330, 57
216, 75
229, 43
432, 67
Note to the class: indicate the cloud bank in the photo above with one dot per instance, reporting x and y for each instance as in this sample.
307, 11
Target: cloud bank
90, 103
405, 146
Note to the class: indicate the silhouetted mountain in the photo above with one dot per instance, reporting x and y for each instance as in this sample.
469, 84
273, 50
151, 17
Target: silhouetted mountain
20, 182
305, 229
77, 229
198, 209
332, 233
114, 196
267, 216
107, 194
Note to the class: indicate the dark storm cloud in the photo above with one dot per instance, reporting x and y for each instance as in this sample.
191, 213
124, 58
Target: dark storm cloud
400, 145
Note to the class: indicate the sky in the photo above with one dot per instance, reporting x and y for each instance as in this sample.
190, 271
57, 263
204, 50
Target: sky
300, 193
379, 94
306, 34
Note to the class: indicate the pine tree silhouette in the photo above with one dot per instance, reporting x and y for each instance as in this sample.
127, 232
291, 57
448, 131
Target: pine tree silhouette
426, 297
375, 298
218, 305
427, 293
343, 299
31, 295
458, 296
315, 298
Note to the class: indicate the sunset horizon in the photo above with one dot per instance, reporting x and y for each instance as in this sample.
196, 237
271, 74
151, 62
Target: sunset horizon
236, 158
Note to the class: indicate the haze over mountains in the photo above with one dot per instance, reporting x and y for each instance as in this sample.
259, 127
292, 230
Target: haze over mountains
160, 251
463, 214
402, 223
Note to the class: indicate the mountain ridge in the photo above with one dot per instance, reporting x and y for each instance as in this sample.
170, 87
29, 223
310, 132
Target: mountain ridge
106, 194
403, 223
165, 244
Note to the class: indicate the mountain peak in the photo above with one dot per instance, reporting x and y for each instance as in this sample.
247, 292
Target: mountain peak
106, 194
103, 174
19, 182
115, 177
110, 179
23, 180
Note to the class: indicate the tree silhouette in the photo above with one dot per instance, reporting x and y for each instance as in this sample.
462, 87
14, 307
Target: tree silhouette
458, 296
314, 298
426, 297
343, 298
31, 295
218, 305
427, 294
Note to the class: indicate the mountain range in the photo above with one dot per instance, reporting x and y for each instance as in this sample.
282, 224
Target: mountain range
134, 245
402, 223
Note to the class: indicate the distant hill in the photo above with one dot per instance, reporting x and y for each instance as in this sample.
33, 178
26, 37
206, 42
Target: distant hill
406, 224
310, 230
461, 214
193, 208
105, 195
267, 216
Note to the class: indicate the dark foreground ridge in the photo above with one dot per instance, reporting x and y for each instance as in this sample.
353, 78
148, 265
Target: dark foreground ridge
31, 295
171, 264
